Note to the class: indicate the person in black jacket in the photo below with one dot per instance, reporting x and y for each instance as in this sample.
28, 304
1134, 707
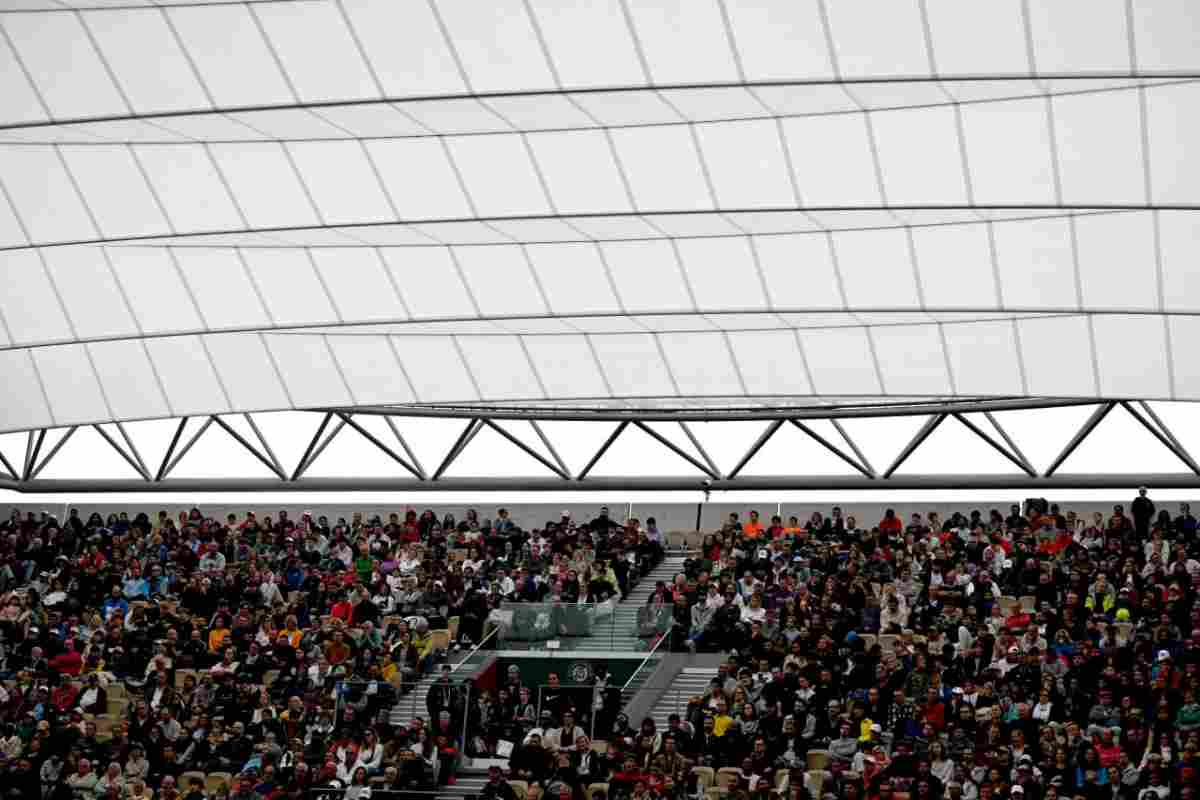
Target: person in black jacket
1142, 509
496, 787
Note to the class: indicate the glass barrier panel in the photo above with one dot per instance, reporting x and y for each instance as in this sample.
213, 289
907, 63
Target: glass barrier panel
582, 626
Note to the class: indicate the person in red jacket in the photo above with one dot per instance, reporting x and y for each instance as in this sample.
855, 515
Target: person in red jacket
890, 524
68, 662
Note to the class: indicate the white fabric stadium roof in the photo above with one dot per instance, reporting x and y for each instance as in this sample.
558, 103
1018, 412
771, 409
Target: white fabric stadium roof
216, 207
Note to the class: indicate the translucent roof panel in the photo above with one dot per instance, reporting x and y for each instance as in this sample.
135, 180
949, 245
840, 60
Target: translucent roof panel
634, 205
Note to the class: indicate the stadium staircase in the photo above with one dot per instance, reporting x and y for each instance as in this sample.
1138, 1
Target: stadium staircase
620, 632
674, 698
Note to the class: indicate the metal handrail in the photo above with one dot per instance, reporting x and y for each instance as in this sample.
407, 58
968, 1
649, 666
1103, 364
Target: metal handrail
475, 649
649, 655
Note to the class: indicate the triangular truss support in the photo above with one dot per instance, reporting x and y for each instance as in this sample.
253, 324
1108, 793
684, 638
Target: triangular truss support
1014, 457
821, 440
375, 440
268, 462
612, 437
43, 446
667, 443
460, 444
928, 428
33, 473
529, 451
317, 445
1162, 433
8, 467
1088, 426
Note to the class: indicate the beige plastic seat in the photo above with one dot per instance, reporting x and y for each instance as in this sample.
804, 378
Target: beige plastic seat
215, 779
593, 788
1028, 603
705, 777
186, 778
818, 759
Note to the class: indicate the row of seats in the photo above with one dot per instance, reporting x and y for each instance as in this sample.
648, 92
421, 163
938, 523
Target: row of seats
711, 784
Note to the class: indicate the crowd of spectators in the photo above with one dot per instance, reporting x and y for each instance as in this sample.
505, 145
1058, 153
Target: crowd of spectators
1027, 655
257, 657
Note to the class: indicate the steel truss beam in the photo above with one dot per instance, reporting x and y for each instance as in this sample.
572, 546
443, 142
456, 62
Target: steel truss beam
861, 474
832, 411
631, 484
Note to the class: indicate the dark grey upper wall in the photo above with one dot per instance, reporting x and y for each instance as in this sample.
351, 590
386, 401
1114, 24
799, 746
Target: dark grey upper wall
670, 515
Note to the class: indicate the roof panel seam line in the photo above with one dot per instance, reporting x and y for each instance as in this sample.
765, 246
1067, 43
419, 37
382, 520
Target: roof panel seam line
391, 279
329, 298
383, 187
636, 39
304, 187
683, 273
33, 85
1155, 216
1030, 47
537, 281
162, 119
283, 384
307, 328
815, 229
37, 373
830, 43
224, 179
733, 360
875, 361
154, 194
756, 260
915, 266
941, 329
537, 376
270, 45
124, 295
448, 40
187, 56
79, 195
358, 46
960, 130
812, 384
212, 364
647, 217
108, 70
662, 353
187, 287
543, 45
462, 277
1018, 349
466, 365
994, 256
458, 176
337, 365
587, 338
252, 279
5, 328
412, 387
158, 381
